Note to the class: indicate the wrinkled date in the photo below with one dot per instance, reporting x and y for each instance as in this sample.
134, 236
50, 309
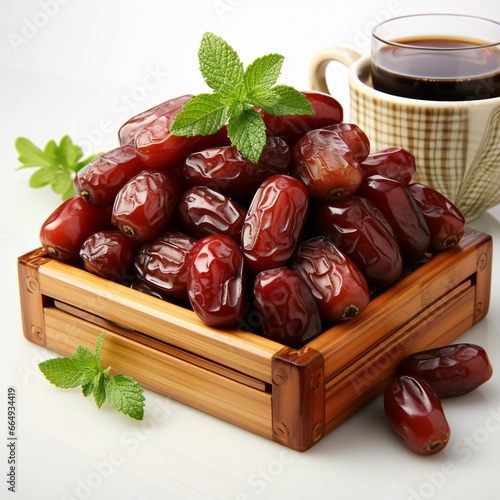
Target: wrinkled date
451, 370
356, 140
395, 163
70, 224
110, 254
100, 181
204, 211
158, 148
445, 222
338, 286
394, 200
224, 169
326, 165
354, 226
287, 308
274, 222
416, 415
163, 263
145, 204
327, 111
216, 281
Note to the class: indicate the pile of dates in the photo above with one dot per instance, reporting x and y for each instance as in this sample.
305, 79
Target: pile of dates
284, 248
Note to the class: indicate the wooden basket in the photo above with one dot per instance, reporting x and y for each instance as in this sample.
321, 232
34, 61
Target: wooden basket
292, 397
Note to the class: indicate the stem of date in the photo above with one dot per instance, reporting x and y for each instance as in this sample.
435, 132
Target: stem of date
11, 440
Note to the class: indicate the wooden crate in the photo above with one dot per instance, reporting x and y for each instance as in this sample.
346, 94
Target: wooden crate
294, 397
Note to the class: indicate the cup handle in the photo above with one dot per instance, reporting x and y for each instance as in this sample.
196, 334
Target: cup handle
344, 54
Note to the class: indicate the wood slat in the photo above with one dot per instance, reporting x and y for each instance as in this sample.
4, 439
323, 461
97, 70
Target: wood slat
212, 393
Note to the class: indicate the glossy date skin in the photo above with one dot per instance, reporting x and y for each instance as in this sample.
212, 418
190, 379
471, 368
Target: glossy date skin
327, 111
145, 204
326, 165
225, 170
216, 281
72, 222
354, 226
133, 126
158, 148
274, 222
110, 254
287, 309
394, 200
204, 211
163, 263
451, 370
356, 140
100, 181
395, 163
337, 285
444, 220
416, 415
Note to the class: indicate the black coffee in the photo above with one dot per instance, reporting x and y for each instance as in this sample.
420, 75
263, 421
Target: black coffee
441, 75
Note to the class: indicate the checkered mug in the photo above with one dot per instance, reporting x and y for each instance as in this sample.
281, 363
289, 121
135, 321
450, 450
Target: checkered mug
456, 143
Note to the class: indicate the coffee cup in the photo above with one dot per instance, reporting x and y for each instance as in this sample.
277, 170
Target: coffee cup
454, 135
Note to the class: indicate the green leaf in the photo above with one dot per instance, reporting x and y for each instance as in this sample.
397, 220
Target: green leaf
286, 101
67, 373
126, 395
62, 183
31, 155
220, 65
42, 177
68, 154
204, 114
248, 133
99, 389
264, 71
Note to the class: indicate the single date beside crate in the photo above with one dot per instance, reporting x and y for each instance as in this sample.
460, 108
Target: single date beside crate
294, 397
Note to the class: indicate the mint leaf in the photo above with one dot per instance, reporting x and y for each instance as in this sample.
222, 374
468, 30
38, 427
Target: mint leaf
84, 369
126, 395
220, 65
264, 71
71, 372
236, 95
287, 101
248, 133
57, 164
204, 114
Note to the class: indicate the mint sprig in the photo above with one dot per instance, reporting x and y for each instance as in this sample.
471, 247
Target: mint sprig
84, 369
237, 93
56, 164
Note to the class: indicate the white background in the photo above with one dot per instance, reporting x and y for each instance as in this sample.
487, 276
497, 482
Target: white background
81, 67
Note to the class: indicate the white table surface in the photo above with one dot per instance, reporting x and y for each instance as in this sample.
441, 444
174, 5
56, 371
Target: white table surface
81, 67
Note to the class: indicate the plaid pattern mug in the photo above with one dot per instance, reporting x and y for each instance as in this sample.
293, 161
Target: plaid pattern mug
456, 143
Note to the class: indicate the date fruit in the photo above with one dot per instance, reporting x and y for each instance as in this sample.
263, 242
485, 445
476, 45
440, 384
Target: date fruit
394, 200
445, 221
163, 263
204, 211
274, 222
70, 224
110, 254
395, 163
354, 226
287, 309
100, 181
327, 111
225, 170
158, 148
337, 285
145, 204
326, 165
216, 281
416, 415
356, 140
451, 370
